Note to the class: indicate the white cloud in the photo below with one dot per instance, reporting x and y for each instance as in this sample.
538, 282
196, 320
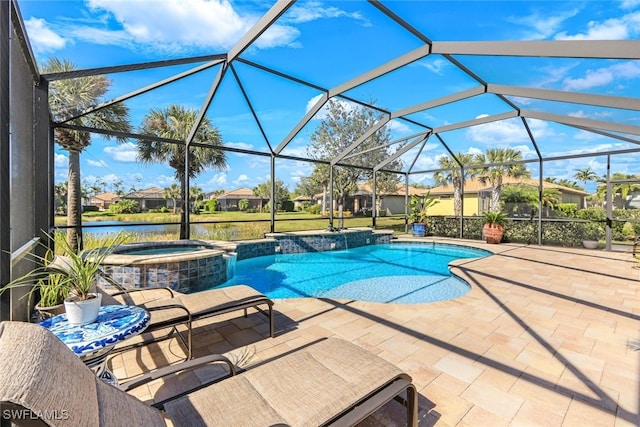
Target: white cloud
124, 152
241, 180
398, 127
313, 10
97, 163
501, 132
43, 38
542, 26
169, 25
610, 29
629, 4
603, 76
164, 181
218, 180
60, 160
435, 65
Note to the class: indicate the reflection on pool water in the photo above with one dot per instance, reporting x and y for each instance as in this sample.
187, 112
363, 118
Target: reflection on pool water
398, 272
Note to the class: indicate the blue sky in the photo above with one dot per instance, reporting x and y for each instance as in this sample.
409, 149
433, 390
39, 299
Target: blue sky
326, 44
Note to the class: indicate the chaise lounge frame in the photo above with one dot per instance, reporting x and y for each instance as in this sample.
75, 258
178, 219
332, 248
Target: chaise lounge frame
330, 382
172, 309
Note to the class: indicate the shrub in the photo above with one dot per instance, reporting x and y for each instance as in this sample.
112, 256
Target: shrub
213, 205
628, 233
314, 209
125, 206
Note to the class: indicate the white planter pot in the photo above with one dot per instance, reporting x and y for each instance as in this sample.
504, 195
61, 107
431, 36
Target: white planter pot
590, 244
82, 312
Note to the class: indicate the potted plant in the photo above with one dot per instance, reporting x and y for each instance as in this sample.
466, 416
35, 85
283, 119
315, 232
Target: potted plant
592, 232
70, 276
418, 208
53, 291
493, 229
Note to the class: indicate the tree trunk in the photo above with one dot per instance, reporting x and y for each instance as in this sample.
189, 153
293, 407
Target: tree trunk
457, 200
324, 199
74, 205
495, 198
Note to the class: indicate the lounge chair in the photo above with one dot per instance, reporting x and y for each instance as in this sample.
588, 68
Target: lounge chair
331, 382
170, 309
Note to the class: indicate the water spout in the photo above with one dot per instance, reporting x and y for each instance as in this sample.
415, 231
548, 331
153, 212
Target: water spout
231, 258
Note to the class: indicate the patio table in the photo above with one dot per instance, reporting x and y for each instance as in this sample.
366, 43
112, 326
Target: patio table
94, 341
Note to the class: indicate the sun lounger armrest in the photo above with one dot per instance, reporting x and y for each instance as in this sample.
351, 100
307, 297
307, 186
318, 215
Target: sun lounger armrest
172, 369
131, 291
184, 366
187, 313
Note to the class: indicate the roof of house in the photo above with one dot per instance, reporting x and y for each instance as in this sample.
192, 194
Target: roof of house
366, 189
106, 197
474, 185
239, 193
148, 193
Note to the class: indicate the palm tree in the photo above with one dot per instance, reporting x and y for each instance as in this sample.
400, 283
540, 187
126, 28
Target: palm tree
586, 174
500, 159
173, 193
175, 122
456, 176
196, 194
69, 98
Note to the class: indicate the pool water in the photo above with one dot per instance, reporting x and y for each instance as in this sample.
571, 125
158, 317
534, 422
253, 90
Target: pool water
391, 273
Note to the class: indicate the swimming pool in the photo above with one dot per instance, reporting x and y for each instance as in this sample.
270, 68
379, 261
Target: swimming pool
398, 272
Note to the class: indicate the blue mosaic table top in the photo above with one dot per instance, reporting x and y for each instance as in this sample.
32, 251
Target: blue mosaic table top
115, 323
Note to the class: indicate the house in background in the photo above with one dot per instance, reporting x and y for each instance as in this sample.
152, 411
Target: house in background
151, 198
104, 200
477, 195
230, 199
361, 200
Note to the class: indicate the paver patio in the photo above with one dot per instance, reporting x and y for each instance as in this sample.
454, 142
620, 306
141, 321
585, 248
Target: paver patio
547, 336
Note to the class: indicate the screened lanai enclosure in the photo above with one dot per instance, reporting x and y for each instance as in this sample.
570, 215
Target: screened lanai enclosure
388, 103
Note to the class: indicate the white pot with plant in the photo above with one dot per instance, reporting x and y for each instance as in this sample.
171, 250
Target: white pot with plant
82, 271
70, 278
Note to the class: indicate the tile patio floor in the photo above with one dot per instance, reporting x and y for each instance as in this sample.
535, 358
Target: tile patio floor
545, 337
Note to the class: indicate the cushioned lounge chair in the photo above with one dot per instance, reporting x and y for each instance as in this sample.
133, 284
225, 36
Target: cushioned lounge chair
170, 309
331, 382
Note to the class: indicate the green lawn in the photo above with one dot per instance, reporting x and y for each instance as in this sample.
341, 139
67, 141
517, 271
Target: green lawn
229, 225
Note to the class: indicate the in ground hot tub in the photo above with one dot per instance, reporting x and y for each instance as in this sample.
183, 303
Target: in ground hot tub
183, 265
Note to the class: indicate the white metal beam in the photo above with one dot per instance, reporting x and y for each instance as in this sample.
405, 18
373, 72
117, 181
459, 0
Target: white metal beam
392, 65
401, 151
600, 49
475, 122
582, 122
440, 101
373, 129
302, 123
564, 96
260, 27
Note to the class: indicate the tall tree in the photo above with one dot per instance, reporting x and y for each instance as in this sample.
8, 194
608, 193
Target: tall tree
585, 175
454, 175
281, 194
494, 166
174, 193
175, 122
344, 124
69, 98
196, 194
